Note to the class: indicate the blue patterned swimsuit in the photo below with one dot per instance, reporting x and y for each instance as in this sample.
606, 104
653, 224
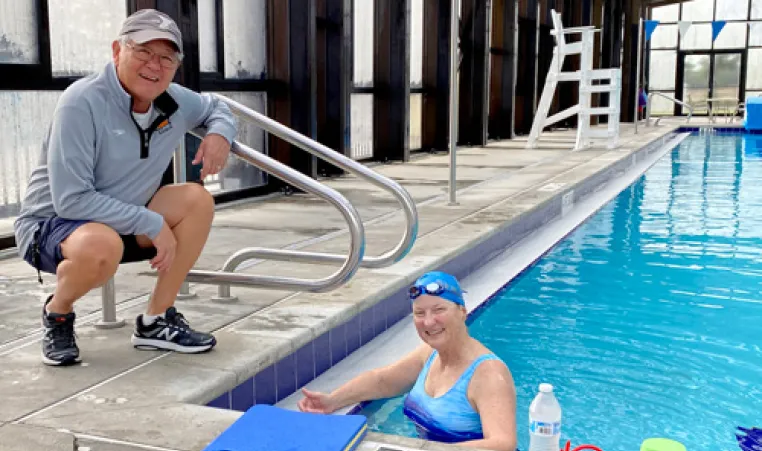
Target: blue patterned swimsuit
450, 417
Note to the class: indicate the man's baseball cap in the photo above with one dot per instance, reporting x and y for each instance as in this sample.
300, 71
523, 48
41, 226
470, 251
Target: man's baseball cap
148, 24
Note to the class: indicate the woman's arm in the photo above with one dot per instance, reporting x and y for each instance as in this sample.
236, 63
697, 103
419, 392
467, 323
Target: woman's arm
385, 382
494, 395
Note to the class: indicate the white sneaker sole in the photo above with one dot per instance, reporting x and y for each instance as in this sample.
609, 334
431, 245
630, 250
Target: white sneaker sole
150, 344
52, 362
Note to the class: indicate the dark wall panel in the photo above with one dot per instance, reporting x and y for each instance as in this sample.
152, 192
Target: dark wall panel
503, 69
391, 80
291, 63
474, 71
436, 75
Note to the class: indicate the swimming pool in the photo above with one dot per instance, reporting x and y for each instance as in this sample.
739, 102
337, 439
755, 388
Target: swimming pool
648, 317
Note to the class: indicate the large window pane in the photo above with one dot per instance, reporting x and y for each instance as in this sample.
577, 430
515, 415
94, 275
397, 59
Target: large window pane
416, 43
665, 36
698, 37
81, 34
207, 35
361, 139
732, 36
416, 120
18, 32
696, 82
245, 30
756, 9
24, 120
363, 43
732, 10
661, 73
755, 34
668, 13
754, 68
727, 76
699, 10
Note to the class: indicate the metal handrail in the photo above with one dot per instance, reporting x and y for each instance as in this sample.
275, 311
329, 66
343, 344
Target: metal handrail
351, 262
226, 278
333, 157
671, 99
337, 159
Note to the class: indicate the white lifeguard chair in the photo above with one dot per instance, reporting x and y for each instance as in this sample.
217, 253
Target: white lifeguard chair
586, 76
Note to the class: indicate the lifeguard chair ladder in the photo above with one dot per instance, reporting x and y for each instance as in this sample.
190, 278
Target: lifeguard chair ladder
586, 77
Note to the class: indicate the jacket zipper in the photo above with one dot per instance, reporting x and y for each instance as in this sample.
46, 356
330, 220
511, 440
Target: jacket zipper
145, 135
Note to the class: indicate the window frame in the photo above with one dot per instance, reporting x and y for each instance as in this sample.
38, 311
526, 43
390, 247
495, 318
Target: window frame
35, 76
711, 51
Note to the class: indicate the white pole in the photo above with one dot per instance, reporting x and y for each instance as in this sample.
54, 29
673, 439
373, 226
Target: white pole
637, 71
453, 95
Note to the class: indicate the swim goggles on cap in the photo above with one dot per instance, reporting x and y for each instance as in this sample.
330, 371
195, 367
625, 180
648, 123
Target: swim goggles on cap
436, 289
433, 289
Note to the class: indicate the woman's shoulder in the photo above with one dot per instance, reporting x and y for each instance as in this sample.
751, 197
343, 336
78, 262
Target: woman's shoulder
490, 363
492, 375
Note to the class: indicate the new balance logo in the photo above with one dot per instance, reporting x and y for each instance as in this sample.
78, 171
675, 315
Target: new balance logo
167, 333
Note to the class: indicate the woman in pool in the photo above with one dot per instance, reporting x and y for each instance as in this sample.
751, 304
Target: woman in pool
461, 392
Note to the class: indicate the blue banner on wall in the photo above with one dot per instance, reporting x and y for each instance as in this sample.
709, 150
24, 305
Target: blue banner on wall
650, 26
717, 27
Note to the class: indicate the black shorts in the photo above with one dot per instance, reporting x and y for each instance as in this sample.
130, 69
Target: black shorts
45, 252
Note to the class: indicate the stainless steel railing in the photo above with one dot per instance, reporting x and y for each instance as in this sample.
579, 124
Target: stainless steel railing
350, 263
225, 279
671, 99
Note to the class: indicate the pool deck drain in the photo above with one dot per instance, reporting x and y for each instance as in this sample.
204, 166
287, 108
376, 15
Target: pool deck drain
123, 399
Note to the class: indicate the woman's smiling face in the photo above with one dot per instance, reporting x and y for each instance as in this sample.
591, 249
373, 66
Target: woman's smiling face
437, 320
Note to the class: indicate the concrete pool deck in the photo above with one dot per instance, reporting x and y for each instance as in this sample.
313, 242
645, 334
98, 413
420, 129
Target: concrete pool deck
271, 342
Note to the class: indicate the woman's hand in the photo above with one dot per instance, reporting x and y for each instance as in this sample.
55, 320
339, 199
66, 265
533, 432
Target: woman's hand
316, 402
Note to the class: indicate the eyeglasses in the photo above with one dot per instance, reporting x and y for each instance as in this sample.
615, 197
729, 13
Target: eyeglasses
145, 54
433, 289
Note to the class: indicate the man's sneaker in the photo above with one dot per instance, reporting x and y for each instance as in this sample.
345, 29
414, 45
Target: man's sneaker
172, 333
58, 344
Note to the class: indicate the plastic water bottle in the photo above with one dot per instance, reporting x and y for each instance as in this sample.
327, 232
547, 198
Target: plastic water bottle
545, 421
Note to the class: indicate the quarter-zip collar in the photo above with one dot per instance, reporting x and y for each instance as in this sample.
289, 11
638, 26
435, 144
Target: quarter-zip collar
164, 104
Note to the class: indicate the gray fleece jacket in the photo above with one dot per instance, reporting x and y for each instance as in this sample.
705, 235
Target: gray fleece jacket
97, 163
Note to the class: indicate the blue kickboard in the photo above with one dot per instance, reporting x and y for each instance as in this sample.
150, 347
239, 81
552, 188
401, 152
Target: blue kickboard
753, 113
269, 428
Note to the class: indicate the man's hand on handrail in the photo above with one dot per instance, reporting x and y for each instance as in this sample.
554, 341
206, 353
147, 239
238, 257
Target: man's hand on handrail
213, 153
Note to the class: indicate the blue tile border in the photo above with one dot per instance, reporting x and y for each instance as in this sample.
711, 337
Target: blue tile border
265, 387
322, 350
338, 347
284, 377
738, 130
305, 364
242, 397
223, 402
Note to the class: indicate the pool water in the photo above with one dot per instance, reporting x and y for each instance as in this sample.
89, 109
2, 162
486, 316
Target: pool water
648, 317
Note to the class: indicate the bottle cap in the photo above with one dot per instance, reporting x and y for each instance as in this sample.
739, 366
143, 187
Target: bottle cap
546, 388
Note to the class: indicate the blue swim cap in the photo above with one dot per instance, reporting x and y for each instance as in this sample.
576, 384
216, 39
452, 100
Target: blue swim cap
437, 283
